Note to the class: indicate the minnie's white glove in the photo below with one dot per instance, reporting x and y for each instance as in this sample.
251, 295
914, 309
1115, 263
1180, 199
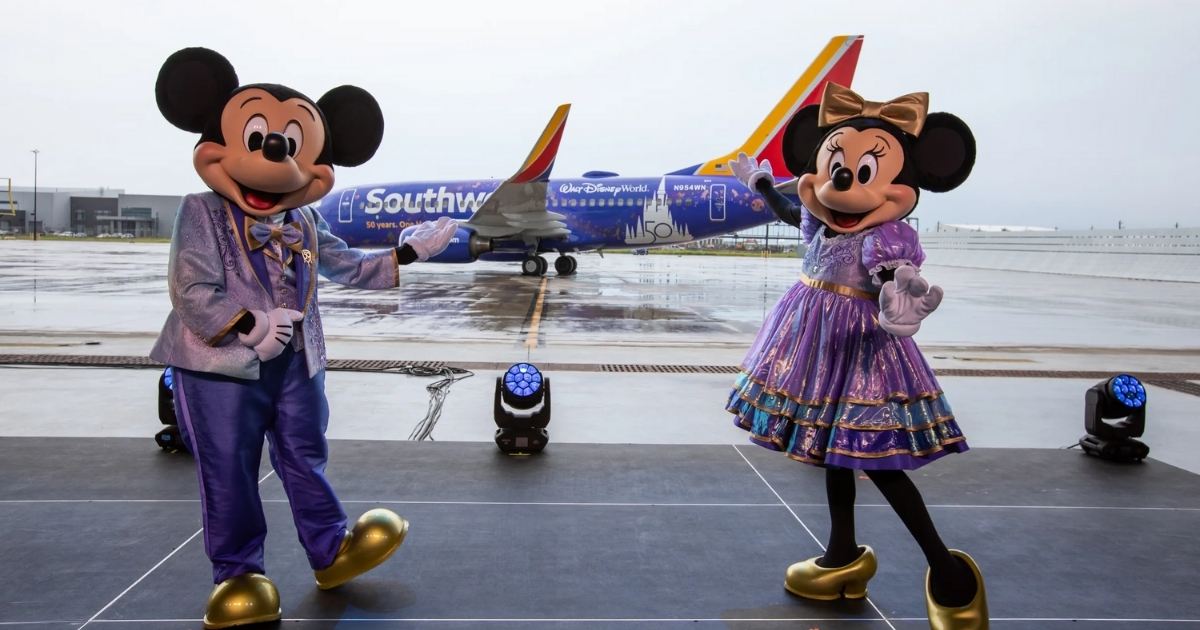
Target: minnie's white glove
748, 171
431, 238
906, 301
271, 333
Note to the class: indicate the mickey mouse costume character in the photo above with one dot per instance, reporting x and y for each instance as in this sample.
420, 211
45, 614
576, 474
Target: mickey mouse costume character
244, 334
834, 378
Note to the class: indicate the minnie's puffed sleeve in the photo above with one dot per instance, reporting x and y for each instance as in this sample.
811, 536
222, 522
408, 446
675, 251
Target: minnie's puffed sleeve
889, 247
196, 274
354, 267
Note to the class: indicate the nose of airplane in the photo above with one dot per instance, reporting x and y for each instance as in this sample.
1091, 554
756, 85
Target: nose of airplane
275, 147
843, 178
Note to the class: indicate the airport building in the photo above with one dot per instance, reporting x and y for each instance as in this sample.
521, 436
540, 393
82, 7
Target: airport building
87, 211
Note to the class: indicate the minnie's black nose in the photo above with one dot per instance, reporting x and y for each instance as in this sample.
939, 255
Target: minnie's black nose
842, 178
275, 147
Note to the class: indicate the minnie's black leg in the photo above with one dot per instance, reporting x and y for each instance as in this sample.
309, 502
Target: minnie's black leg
951, 581
841, 550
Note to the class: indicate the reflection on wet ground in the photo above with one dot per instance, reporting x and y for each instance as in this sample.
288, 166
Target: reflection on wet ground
658, 300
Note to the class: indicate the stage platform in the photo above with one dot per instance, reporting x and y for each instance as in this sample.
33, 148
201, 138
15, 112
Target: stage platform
105, 533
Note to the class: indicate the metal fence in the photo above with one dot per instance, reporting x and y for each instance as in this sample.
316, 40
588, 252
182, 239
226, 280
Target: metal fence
1145, 254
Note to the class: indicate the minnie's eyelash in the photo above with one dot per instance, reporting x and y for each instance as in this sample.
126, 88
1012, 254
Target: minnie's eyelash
877, 151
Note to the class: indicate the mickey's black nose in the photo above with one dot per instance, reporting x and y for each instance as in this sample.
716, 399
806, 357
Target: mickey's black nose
842, 178
275, 147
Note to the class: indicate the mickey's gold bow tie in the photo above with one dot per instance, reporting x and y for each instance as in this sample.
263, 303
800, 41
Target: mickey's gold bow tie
840, 103
259, 233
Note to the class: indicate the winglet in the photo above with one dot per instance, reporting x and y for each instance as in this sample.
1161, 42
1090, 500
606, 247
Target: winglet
540, 162
835, 63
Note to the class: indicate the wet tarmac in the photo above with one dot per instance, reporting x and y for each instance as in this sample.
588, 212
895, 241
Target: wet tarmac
657, 300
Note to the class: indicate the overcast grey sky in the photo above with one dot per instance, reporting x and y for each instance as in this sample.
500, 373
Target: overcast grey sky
1085, 112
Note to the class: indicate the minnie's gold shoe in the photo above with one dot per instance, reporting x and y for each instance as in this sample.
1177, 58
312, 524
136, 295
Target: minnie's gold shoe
808, 580
245, 599
375, 537
973, 616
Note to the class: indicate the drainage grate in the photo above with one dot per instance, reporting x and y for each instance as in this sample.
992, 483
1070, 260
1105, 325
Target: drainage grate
671, 369
1178, 386
1175, 381
80, 360
376, 365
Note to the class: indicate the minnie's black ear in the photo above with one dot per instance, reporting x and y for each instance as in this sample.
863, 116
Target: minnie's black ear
355, 124
944, 152
193, 86
801, 138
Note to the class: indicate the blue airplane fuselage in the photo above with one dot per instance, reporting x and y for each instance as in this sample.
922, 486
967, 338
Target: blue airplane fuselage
601, 213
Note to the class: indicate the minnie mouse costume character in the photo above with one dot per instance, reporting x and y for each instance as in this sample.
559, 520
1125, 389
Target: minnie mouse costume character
834, 378
244, 335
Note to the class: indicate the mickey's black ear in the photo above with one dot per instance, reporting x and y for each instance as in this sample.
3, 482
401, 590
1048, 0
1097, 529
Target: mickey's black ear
801, 138
193, 85
944, 152
355, 124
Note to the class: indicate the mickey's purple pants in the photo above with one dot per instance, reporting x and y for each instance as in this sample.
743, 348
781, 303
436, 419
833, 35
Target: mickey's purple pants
223, 421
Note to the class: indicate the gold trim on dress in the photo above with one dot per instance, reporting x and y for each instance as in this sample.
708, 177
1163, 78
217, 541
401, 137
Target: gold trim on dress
896, 451
832, 287
224, 331
896, 397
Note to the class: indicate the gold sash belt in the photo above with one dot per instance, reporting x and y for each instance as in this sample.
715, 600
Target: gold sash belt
839, 289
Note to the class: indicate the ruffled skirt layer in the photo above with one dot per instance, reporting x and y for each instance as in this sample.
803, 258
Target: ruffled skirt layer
827, 385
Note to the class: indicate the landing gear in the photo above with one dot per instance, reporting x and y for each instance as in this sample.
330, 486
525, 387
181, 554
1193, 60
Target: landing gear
534, 266
565, 265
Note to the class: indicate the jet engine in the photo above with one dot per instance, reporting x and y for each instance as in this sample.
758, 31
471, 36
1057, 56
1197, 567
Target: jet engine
465, 247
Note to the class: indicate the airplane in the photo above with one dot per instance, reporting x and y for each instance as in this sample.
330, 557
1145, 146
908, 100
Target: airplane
530, 214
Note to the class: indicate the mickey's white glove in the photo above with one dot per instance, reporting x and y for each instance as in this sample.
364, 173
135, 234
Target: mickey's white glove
748, 171
430, 238
905, 301
271, 333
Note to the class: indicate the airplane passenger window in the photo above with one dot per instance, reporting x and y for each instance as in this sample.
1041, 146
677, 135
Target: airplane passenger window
573, 202
554, 202
621, 201
611, 202
591, 202
689, 201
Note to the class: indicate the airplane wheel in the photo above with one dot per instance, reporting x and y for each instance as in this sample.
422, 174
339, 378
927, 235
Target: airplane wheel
565, 265
532, 267
542, 265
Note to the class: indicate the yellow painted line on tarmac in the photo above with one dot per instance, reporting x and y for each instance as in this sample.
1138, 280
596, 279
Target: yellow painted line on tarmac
531, 340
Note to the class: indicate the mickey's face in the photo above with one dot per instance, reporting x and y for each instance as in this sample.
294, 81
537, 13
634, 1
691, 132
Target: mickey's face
267, 163
853, 187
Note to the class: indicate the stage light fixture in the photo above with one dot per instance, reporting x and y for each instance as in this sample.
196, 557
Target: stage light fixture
1120, 397
522, 410
169, 438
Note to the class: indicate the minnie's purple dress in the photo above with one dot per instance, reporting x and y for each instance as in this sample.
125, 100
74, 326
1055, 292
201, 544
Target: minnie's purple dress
825, 383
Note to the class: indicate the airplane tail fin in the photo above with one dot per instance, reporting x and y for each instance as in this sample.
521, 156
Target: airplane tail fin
540, 162
835, 63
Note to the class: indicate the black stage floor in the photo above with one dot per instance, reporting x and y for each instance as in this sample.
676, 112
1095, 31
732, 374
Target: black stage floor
104, 533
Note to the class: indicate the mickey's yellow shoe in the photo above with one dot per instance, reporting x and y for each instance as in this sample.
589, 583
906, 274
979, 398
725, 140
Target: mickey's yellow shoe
375, 537
973, 616
245, 599
808, 580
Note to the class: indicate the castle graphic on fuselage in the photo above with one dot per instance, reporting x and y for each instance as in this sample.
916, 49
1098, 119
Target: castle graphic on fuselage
657, 226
